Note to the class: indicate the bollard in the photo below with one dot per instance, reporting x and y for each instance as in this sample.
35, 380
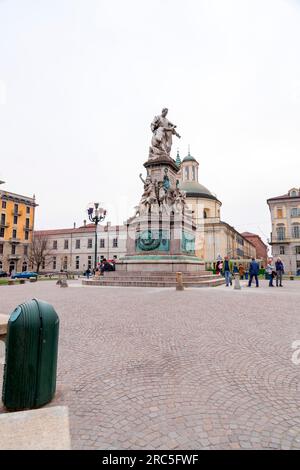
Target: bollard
58, 282
179, 282
237, 284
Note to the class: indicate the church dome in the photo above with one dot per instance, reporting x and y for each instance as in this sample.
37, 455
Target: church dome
195, 189
189, 158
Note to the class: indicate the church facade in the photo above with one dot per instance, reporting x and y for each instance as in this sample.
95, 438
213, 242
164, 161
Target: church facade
214, 237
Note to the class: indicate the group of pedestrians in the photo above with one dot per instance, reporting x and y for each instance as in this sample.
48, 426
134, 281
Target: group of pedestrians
223, 267
273, 271
105, 265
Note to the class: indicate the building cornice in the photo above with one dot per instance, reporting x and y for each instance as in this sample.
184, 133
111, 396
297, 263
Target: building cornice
283, 199
8, 196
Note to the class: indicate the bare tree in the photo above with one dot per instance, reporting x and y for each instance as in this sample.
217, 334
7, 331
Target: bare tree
40, 251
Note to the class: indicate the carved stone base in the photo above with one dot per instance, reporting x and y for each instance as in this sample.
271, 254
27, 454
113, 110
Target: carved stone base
160, 263
161, 235
156, 154
156, 169
161, 243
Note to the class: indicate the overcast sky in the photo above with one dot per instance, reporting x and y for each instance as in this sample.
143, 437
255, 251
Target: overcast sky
81, 80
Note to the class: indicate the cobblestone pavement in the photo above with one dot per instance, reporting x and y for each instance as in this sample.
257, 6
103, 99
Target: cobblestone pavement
161, 369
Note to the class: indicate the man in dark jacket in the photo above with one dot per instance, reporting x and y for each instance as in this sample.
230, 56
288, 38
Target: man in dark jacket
227, 273
279, 272
253, 271
106, 266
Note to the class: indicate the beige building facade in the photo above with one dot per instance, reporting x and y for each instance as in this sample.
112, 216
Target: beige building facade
73, 249
285, 235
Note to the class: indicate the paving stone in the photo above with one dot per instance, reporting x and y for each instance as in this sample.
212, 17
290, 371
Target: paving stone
41, 429
140, 369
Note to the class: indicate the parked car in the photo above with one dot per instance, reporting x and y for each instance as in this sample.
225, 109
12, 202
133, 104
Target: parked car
24, 275
3, 274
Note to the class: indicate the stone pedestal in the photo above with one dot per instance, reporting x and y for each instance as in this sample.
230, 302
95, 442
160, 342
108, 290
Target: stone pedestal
162, 238
156, 169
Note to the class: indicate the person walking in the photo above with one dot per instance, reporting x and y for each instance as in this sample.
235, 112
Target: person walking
279, 272
227, 273
219, 267
270, 271
241, 271
253, 271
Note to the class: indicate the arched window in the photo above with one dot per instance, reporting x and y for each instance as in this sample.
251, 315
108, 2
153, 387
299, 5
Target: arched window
24, 266
65, 263
280, 229
294, 193
187, 173
296, 230
194, 173
206, 213
11, 266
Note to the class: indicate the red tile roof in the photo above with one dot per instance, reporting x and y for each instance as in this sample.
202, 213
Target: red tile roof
249, 234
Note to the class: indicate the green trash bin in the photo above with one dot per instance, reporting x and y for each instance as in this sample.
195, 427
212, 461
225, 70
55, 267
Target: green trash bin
31, 356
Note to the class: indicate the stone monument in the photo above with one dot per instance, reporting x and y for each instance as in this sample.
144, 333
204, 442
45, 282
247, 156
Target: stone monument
161, 233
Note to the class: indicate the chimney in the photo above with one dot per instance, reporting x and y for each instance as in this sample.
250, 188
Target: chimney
84, 223
74, 225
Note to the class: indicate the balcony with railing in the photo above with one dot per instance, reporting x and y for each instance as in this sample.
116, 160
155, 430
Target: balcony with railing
14, 240
4, 224
14, 256
29, 229
278, 238
17, 213
275, 238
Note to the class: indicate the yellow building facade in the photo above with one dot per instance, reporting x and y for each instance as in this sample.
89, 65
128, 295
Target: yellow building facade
17, 215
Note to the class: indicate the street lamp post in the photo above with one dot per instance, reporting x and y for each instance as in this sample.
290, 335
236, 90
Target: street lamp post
96, 214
